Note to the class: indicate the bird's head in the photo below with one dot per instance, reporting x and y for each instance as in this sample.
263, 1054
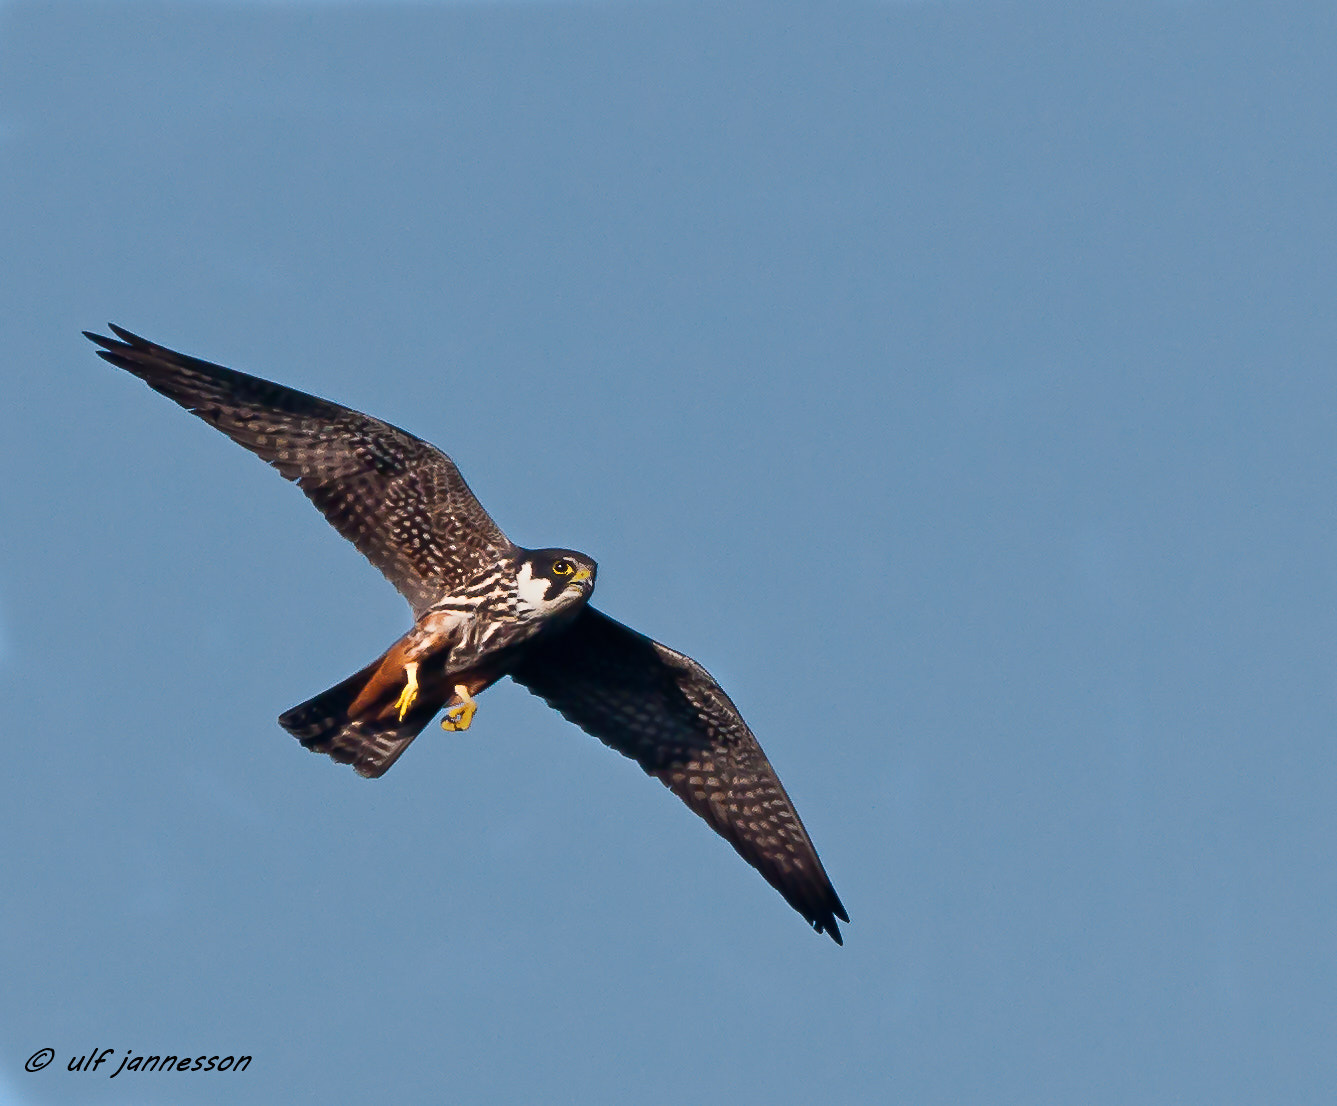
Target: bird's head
553, 580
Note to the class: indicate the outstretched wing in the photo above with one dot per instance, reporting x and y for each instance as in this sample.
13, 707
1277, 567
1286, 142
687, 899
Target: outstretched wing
665, 711
401, 501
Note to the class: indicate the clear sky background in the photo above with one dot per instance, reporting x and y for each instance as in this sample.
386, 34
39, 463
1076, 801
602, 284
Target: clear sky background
955, 381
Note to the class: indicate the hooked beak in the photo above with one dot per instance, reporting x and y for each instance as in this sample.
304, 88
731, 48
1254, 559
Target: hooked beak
582, 574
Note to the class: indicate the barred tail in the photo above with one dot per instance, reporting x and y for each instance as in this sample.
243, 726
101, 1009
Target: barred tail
371, 746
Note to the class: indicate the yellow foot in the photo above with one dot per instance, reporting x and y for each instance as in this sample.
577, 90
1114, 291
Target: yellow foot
461, 715
410, 692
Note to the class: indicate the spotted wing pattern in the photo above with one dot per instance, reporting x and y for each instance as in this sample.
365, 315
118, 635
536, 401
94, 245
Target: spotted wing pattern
399, 500
664, 711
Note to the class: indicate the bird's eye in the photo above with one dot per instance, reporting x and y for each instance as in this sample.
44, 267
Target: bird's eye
563, 568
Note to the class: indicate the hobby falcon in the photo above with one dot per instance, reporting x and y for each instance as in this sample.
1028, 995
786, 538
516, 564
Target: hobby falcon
485, 608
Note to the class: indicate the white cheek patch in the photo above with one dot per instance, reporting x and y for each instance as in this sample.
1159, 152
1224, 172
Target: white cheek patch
532, 590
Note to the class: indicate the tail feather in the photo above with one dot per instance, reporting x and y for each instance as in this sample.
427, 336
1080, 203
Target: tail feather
371, 746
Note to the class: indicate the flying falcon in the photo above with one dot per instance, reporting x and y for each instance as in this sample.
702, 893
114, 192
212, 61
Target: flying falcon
485, 608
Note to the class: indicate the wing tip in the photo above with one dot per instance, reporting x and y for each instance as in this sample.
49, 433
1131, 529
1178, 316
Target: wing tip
101, 340
819, 904
121, 350
830, 928
825, 922
123, 338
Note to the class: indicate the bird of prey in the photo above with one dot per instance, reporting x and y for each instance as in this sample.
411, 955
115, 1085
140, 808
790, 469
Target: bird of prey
485, 608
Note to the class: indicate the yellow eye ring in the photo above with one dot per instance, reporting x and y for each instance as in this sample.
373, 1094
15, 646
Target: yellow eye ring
563, 568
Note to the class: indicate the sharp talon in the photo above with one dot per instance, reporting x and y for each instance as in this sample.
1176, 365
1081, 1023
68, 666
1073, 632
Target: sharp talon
410, 692
460, 716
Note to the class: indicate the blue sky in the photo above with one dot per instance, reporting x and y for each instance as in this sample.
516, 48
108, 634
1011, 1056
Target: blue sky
953, 381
